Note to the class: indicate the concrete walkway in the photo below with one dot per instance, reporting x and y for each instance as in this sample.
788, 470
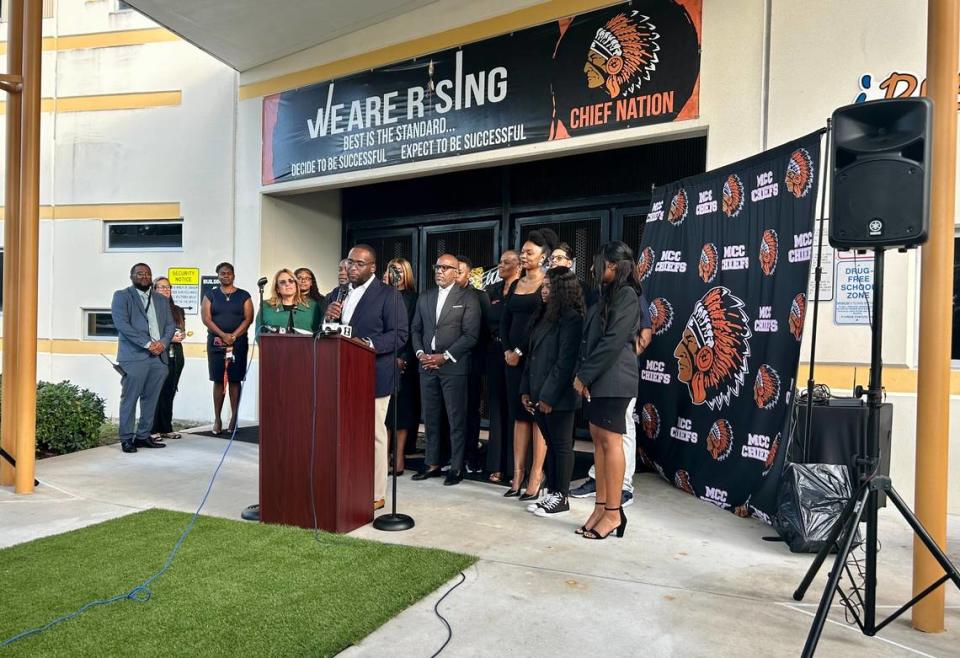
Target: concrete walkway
686, 580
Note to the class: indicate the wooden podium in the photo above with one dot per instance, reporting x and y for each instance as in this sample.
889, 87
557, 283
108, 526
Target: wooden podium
329, 380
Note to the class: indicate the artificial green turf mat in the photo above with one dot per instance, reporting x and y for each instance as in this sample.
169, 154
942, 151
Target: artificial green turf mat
234, 589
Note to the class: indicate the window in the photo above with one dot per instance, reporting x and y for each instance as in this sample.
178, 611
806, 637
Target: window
98, 325
144, 236
5, 9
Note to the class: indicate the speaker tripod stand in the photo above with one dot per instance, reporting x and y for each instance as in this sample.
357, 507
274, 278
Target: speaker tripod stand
864, 502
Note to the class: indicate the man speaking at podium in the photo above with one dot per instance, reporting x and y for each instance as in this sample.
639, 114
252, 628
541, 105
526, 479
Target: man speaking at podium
377, 316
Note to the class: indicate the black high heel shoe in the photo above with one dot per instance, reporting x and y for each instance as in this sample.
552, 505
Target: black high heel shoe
518, 481
525, 498
620, 529
582, 529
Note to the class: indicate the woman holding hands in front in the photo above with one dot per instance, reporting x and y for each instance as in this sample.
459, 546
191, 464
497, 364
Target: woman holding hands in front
547, 384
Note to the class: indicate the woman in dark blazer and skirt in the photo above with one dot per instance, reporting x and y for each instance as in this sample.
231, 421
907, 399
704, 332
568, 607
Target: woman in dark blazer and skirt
547, 384
607, 379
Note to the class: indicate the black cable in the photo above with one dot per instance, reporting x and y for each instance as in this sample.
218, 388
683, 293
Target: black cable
436, 611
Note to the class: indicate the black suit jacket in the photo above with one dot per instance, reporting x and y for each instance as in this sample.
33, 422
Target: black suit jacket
548, 368
608, 359
382, 317
456, 332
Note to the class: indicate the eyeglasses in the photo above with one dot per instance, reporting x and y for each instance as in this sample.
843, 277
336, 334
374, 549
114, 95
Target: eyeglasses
357, 263
162, 288
285, 282
558, 258
304, 277
444, 268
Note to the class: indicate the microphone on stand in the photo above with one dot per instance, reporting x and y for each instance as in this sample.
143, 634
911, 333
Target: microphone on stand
262, 282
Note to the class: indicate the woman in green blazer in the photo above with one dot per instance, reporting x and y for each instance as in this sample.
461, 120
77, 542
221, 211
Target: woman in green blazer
287, 308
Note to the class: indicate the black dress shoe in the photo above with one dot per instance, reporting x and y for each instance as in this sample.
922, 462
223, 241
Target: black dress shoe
429, 473
148, 443
127, 446
453, 477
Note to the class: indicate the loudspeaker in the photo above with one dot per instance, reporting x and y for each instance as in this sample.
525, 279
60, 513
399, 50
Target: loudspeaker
880, 178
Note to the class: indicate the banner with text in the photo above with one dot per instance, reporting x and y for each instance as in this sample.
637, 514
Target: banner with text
620, 67
724, 263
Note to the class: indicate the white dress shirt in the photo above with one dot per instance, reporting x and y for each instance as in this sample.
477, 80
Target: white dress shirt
353, 300
442, 294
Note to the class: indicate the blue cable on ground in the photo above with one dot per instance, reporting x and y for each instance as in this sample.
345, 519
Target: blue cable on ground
142, 592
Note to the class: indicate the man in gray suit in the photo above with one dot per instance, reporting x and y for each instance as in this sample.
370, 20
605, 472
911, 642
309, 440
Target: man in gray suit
445, 328
144, 328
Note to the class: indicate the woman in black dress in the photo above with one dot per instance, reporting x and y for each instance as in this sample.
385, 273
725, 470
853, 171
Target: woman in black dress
547, 385
500, 435
163, 419
523, 300
227, 312
607, 379
407, 400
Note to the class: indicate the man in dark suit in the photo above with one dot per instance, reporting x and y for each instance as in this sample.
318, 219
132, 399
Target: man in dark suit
445, 328
376, 315
478, 367
145, 328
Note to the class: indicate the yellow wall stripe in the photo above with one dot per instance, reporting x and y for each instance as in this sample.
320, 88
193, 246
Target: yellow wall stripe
895, 379
105, 102
108, 347
491, 27
104, 39
110, 211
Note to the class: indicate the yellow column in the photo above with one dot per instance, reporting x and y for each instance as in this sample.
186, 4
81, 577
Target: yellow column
936, 295
11, 244
26, 420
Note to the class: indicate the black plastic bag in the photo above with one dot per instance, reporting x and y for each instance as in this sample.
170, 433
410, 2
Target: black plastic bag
810, 500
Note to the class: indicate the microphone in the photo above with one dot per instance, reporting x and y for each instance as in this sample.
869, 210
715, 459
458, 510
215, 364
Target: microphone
342, 292
262, 282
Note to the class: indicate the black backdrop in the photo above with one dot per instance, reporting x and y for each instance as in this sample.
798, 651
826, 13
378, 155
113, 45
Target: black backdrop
725, 262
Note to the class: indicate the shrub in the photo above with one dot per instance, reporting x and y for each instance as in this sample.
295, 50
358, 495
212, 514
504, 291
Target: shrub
68, 418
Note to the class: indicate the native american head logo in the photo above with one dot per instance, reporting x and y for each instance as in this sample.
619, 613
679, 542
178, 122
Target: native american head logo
732, 196
681, 480
712, 353
798, 309
769, 244
799, 177
650, 421
645, 263
720, 440
644, 457
708, 263
678, 208
622, 54
771, 455
661, 315
766, 387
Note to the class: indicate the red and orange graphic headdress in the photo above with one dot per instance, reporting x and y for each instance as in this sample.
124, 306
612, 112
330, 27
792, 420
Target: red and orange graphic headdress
628, 48
721, 331
769, 246
799, 178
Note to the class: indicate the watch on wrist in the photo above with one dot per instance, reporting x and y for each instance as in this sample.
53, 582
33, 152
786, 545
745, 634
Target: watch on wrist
517, 351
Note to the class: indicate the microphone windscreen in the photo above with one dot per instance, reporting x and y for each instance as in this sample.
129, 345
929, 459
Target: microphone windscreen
262, 282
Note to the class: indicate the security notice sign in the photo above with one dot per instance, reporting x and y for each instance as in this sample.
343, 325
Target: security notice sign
854, 285
185, 283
